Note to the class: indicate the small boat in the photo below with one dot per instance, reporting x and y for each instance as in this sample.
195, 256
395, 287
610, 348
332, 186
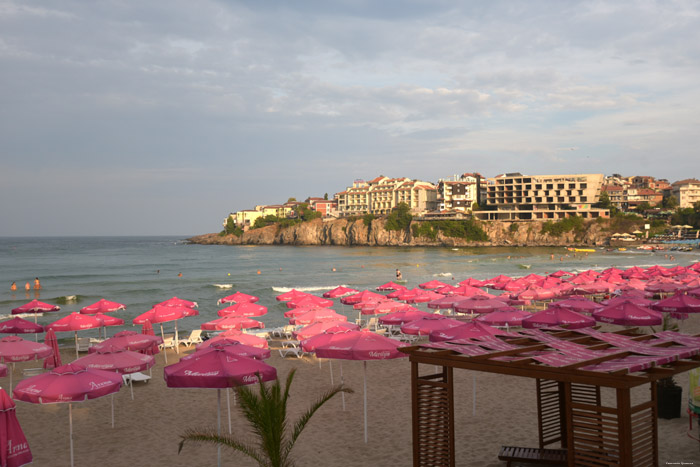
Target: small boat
524, 266
622, 249
584, 250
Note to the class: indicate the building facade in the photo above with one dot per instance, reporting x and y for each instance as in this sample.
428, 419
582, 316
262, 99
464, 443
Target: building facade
687, 192
382, 194
460, 194
513, 197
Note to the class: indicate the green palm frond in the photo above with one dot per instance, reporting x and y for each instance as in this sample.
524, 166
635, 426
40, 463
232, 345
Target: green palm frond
210, 436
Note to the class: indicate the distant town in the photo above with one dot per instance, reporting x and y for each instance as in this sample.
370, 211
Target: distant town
506, 197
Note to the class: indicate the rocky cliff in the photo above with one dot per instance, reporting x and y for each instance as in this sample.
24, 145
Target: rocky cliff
355, 233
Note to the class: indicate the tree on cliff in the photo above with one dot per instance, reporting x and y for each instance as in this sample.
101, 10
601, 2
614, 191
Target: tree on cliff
400, 218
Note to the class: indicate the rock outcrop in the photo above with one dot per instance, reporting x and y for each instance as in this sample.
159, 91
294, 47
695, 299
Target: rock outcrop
342, 232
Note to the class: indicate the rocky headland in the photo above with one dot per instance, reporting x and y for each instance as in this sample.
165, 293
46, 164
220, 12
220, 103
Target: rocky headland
343, 232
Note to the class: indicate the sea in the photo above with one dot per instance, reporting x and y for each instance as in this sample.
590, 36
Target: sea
142, 271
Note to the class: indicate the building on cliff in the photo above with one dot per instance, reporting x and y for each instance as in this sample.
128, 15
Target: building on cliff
461, 193
687, 192
382, 194
513, 197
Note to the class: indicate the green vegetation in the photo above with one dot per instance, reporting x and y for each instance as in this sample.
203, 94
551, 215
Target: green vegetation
368, 218
669, 202
513, 228
466, 229
400, 218
266, 412
604, 203
625, 223
231, 228
687, 216
557, 229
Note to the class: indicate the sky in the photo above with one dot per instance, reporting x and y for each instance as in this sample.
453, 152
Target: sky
124, 117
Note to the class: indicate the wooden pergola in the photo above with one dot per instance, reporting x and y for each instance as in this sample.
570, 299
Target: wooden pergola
570, 368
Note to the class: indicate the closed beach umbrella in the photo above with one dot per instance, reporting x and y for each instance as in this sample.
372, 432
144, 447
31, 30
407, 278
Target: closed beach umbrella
75, 322
102, 306
558, 316
3, 370
20, 326
147, 330
53, 360
127, 340
339, 291
231, 322
361, 345
14, 448
238, 297
213, 368
243, 310
68, 383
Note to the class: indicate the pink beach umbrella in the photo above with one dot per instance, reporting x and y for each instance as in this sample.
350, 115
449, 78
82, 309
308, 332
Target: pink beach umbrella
579, 304
179, 302
423, 326
68, 383
398, 318
424, 297
339, 291
118, 360
127, 340
558, 316
147, 330
477, 304
320, 327
434, 284
231, 322
35, 306
20, 326
378, 308
164, 314
108, 320
294, 312
214, 368
560, 274
53, 360
391, 286
505, 317
361, 345
291, 295
469, 330
14, 448
243, 310
234, 348
315, 316
15, 349
238, 297
235, 336
102, 306
75, 322
678, 305
311, 300
628, 314
364, 296
471, 282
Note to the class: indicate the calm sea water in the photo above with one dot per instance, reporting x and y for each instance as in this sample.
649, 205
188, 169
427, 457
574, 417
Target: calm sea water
142, 271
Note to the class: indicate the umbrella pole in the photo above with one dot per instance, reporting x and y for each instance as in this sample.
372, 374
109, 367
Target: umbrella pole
228, 403
177, 341
342, 381
218, 423
11, 371
113, 409
474, 396
364, 363
165, 350
330, 366
131, 385
70, 429
76, 343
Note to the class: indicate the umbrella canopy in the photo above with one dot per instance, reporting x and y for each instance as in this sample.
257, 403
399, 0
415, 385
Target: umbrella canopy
115, 359
473, 282
536, 293
231, 322
558, 316
472, 329
678, 303
390, 286
291, 295
35, 306
310, 300
164, 314
504, 317
102, 306
423, 326
178, 302
320, 327
339, 291
579, 304
318, 315
20, 326
75, 322
364, 296
327, 337
15, 349
446, 302
53, 360
477, 304
434, 284
14, 449
398, 318
243, 310
217, 369
426, 296
294, 312
628, 314
127, 340
663, 287
235, 336
238, 297
107, 320
235, 349
378, 308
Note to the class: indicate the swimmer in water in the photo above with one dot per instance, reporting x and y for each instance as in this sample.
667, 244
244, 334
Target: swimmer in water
13, 287
37, 284
399, 276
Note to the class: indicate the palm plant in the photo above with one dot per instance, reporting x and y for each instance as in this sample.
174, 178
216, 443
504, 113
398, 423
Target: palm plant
266, 411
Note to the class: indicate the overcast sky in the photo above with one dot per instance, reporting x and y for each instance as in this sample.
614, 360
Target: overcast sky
131, 117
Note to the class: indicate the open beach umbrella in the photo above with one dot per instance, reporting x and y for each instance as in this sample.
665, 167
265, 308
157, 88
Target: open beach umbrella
14, 448
434, 284
398, 318
102, 306
238, 297
75, 322
15, 349
320, 327
35, 306
235, 336
20, 326
579, 304
108, 320
234, 348
405, 294
291, 295
318, 315
177, 302
231, 322
505, 317
127, 340
477, 304
118, 360
68, 383
243, 310
679, 303
339, 291
391, 286
628, 314
308, 301
53, 360
214, 368
378, 308
361, 345
469, 330
425, 297
423, 326
364, 296
294, 312
473, 282
558, 316
164, 314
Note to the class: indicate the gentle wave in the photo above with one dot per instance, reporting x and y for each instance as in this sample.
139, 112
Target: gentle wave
305, 289
223, 286
443, 274
69, 299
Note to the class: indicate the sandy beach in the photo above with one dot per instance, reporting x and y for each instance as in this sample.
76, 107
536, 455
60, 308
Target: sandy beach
147, 429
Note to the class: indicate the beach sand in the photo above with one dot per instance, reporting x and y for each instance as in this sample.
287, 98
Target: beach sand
147, 429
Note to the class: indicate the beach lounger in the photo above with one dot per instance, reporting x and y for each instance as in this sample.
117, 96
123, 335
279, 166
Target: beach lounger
135, 377
194, 338
83, 344
291, 347
532, 455
168, 343
32, 371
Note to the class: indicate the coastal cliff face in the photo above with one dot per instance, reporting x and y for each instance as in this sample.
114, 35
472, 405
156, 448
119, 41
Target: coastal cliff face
342, 232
